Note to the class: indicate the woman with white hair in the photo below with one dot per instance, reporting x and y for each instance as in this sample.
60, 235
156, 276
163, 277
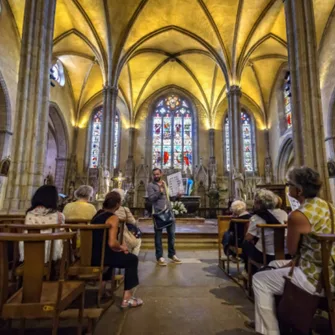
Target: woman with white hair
265, 211
124, 214
239, 211
81, 208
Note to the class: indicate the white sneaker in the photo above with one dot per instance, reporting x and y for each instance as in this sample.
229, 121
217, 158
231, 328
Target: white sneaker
161, 262
176, 260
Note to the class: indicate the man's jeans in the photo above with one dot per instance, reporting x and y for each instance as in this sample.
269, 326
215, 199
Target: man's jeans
171, 239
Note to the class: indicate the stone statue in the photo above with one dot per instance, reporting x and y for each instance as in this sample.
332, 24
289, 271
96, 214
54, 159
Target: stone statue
71, 191
331, 168
268, 170
49, 180
238, 180
4, 166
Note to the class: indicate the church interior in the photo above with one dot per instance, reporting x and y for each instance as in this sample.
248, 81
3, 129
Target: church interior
231, 94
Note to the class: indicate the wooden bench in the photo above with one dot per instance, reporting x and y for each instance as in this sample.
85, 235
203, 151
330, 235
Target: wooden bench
279, 249
37, 298
223, 226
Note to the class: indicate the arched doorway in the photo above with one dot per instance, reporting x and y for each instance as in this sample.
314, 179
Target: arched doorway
285, 159
5, 132
56, 159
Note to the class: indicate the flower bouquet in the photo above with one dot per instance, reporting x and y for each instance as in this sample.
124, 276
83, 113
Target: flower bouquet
178, 208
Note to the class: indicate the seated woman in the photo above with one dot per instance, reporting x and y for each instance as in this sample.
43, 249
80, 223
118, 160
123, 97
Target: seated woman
239, 211
81, 209
313, 216
43, 210
116, 255
264, 212
124, 214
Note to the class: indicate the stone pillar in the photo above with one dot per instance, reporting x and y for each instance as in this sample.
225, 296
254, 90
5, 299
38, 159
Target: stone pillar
235, 129
32, 106
109, 110
60, 174
130, 164
211, 134
308, 130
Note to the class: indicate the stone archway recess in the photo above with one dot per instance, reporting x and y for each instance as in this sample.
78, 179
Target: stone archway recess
62, 142
5, 119
285, 159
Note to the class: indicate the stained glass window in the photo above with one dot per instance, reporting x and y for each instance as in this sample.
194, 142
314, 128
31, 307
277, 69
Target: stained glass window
96, 135
172, 139
58, 73
96, 139
116, 140
247, 142
287, 100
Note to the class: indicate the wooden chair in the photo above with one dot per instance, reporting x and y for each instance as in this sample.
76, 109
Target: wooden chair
235, 248
279, 248
17, 271
82, 268
328, 303
223, 226
37, 299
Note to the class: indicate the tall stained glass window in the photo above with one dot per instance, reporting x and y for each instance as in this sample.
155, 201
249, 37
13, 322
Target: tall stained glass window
287, 100
96, 139
247, 142
172, 145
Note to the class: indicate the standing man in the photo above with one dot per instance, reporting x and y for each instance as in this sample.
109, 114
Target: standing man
158, 197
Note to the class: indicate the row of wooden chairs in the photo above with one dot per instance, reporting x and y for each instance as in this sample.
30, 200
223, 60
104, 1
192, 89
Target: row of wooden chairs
279, 232
80, 269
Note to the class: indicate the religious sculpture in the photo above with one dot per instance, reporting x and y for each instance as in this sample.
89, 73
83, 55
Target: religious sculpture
4, 166
71, 190
331, 168
49, 180
119, 179
268, 170
238, 180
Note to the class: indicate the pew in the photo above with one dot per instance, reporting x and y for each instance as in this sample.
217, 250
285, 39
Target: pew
37, 298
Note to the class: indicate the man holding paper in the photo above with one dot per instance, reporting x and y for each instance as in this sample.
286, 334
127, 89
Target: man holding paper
158, 195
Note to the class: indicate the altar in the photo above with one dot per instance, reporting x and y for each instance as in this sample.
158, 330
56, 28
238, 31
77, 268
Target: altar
191, 203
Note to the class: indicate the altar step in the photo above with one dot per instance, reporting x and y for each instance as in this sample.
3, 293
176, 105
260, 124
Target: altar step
201, 236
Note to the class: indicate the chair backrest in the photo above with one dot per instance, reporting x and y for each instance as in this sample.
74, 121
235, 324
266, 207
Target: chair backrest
77, 221
86, 240
33, 264
223, 226
326, 241
238, 222
278, 240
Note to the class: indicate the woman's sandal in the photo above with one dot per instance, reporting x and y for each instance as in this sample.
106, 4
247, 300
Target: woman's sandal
131, 303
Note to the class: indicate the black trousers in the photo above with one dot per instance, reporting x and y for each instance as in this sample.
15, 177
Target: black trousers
250, 251
120, 260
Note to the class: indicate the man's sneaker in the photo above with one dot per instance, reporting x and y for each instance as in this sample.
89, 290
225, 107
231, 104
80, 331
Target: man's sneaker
161, 262
175, 259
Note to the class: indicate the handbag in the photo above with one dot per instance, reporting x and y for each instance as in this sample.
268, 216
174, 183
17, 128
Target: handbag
134, 230
297, 307
165, 217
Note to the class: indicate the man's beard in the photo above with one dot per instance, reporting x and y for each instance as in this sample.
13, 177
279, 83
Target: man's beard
157, 179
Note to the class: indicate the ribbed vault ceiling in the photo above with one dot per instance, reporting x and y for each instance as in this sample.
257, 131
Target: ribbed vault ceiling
202, 46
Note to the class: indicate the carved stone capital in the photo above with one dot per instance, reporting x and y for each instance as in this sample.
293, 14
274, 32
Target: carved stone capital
235, 90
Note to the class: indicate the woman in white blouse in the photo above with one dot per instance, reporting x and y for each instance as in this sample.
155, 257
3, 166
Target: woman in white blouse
43, 210
265, 211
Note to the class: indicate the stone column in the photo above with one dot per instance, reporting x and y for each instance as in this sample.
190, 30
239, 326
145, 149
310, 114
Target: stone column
109, 110
32, 106
235, 129
130, 164
308, 130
